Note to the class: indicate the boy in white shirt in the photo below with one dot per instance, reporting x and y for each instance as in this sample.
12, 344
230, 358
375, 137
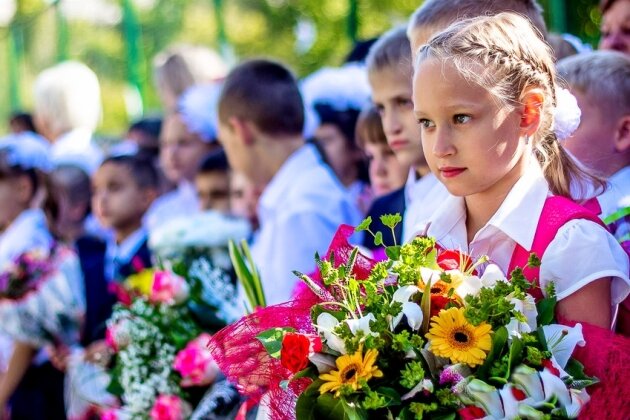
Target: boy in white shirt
600, 81
261, 117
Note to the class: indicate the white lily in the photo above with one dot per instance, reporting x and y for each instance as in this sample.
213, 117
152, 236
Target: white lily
323, 362
362, 324
491, 275
469, 285
326, 323
579, 398
477, 392
411, 310
423, 385
529, 381
561, 341
429, 276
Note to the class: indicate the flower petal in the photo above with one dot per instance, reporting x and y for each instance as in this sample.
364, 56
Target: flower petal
561, 341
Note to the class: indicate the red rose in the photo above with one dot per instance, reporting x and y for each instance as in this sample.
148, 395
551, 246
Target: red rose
471, 412
294, 353
518, 394
450, 260
547, 364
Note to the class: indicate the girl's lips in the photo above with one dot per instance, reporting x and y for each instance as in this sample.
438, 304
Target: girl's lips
450, 172
398, 144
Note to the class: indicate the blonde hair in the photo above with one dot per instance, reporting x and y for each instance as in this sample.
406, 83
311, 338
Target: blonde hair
515, 58
68, 96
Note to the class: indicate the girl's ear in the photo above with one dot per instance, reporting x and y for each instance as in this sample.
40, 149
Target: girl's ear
532, 101
622, 135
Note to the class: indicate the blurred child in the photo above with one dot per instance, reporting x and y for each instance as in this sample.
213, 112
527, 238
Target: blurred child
34, 386
123, 189
67, 111
213, 182
180, 67
70, 190
261, 118
600, 81
186, 137
435, 15
335, 97
390, 72
387, 174
244, 198
615, 24
142, 137
20, 122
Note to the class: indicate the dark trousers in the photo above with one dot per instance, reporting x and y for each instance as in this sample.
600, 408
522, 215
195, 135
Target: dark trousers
40, 395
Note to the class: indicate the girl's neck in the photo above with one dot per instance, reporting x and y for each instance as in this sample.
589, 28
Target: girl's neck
480, 207
125, 232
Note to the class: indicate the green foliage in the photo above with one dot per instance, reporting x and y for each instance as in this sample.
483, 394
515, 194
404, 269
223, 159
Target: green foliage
272, 340
412, 375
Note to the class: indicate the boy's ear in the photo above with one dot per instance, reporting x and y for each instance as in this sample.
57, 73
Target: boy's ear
242, 129
532, 101
622, 135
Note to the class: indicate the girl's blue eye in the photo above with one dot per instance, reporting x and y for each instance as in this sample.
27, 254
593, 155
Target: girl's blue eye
461, 118
425, 123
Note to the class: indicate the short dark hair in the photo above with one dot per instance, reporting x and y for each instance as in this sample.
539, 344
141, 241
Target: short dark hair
142, 170
604, 5
370, 128
266, 93
215, 161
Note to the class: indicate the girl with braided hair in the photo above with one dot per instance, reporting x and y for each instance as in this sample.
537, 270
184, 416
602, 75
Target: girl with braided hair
491, 115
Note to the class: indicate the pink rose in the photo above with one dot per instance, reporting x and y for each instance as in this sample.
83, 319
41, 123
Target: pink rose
117, 335
168, 288
195, 364
169, 407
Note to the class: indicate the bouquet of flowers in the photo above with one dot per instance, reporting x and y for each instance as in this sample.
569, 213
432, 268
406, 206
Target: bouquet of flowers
41, 298
427, 332
158, 332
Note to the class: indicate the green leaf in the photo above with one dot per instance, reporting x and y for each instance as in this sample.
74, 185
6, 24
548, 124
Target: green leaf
272, 340
580, 379
516, 355
306, 407
364, 225
425, 305
378, 239
329, 407
391, 220
391, 395
499, 340
546, 311
450, 416
393, 252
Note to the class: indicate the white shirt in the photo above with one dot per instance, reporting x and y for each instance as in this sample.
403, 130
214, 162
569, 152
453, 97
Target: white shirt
515, 221
299, 212
123, 252
617, 195
77, 148
422, 197
28, 231
180, 202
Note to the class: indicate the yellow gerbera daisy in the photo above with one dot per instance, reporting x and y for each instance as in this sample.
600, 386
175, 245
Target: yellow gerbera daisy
351, 369
452, 336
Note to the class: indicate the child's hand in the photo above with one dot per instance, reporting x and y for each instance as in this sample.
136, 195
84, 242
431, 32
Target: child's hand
59, 357
98, 353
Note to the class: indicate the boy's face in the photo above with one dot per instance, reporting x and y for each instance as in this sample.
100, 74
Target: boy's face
242, 158
244, 198
213, 190
180, 151
392, 96
592, 143
118, 201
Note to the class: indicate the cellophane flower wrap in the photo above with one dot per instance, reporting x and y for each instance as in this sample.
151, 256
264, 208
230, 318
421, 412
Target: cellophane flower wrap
426, 333
159, 331
41, 298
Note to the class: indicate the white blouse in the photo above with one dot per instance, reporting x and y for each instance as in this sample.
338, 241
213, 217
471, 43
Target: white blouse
581, 252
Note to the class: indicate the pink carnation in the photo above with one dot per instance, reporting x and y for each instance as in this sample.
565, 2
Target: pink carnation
168, 288
110, 414
195, 364
169, 407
